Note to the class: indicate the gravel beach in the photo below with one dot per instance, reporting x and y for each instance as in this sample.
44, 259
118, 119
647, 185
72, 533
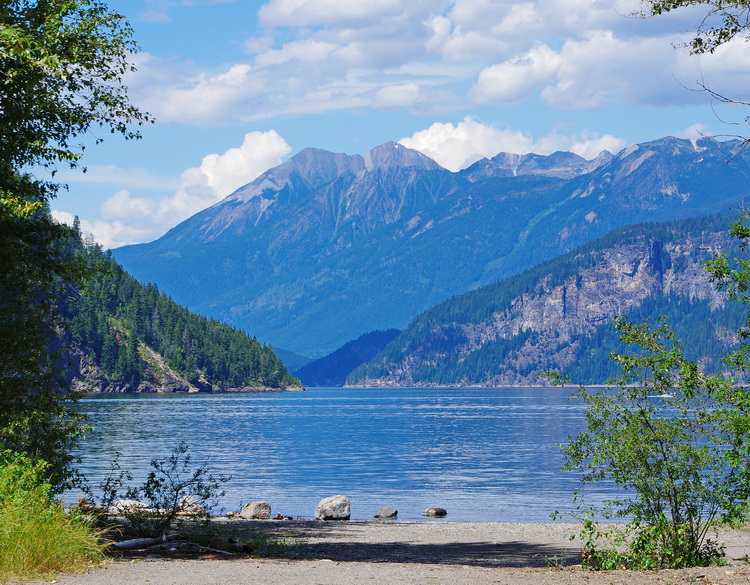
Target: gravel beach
392, 552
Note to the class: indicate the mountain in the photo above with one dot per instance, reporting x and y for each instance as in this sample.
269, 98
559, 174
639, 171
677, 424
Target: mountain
557, 315
127, 337
328, 246
333, 369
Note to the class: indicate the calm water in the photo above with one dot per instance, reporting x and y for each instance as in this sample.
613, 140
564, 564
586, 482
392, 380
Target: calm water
483, 454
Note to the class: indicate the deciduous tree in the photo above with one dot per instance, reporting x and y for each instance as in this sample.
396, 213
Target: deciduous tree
62, 64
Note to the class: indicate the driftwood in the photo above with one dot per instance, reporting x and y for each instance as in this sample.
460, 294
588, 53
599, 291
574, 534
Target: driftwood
135, 543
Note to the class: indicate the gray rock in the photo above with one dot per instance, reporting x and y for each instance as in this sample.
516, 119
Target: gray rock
386, 512
129, 507
256, 511
438, 512
190, 505
333, 508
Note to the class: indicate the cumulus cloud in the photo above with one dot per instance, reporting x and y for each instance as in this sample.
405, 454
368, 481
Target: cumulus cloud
518, 78
324, 55
124, 219
457, 147
397, 96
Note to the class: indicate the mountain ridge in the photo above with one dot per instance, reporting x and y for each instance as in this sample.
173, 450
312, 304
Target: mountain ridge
556, 316
329, 250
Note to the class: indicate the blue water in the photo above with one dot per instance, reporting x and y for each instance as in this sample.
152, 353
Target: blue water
488, 455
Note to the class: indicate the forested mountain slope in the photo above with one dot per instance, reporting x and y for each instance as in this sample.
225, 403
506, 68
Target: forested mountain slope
333, 369
326, 247
128, 337
557, 315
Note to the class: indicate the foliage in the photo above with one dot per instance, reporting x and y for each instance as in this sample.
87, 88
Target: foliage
37, 537
676, 441
724, 20
173, 487
38, 260
115, 319
734, 277
62, 63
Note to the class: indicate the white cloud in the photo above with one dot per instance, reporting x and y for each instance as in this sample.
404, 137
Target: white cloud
298, 13
697, 130
457, 147
124, 219
518, 78
397, 96
307, 51
113, 175
324, 55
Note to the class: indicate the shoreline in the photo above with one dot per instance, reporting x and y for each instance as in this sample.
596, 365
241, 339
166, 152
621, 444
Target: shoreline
408, 553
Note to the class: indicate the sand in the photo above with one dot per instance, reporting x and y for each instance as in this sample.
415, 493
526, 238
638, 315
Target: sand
388, 552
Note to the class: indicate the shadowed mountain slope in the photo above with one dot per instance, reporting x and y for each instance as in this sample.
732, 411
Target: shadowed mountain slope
328, 246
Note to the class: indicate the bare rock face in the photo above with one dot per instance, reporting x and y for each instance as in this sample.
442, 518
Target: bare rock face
256, 511
333, 508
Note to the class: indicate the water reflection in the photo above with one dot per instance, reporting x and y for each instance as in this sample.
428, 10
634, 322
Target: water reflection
483, 454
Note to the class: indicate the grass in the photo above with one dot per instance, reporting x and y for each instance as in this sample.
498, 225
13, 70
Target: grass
38, 538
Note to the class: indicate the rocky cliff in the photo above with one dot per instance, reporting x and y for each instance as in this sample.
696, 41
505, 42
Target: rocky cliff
550, 318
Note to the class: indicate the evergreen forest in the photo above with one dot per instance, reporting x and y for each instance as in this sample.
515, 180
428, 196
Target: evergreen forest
132, 331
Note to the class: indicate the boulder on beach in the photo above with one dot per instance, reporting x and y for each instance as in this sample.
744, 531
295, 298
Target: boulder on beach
256, 511
386, 512
191, 506
333, 508
436, 512
128, 507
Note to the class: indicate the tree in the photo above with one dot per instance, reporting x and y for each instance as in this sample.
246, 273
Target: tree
676, 441
62, 64
724, 20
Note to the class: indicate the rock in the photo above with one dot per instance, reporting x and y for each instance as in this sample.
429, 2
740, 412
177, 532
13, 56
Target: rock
189, 505
333, 508
256, 511
386, 512
128, 507
437, 512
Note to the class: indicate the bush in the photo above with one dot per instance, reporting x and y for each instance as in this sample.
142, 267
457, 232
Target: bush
37, 536
676, 441
173, 487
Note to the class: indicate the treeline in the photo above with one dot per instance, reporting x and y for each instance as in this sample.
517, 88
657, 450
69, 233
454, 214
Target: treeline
121, 323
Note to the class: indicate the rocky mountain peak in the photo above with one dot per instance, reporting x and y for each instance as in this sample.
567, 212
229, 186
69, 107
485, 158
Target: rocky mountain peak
564, 165
393, 155
313, 166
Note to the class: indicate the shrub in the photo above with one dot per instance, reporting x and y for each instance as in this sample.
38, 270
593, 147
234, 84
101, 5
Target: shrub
676, 441
173, 487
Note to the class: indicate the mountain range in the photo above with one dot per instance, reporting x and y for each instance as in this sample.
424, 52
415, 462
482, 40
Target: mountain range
558, 315
326, 246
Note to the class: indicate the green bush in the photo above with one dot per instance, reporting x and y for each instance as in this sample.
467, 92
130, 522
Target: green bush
675, 440
37, 536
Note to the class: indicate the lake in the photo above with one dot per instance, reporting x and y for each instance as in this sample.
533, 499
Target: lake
483, 454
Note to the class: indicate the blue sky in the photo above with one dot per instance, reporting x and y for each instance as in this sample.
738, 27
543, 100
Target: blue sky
238, 86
